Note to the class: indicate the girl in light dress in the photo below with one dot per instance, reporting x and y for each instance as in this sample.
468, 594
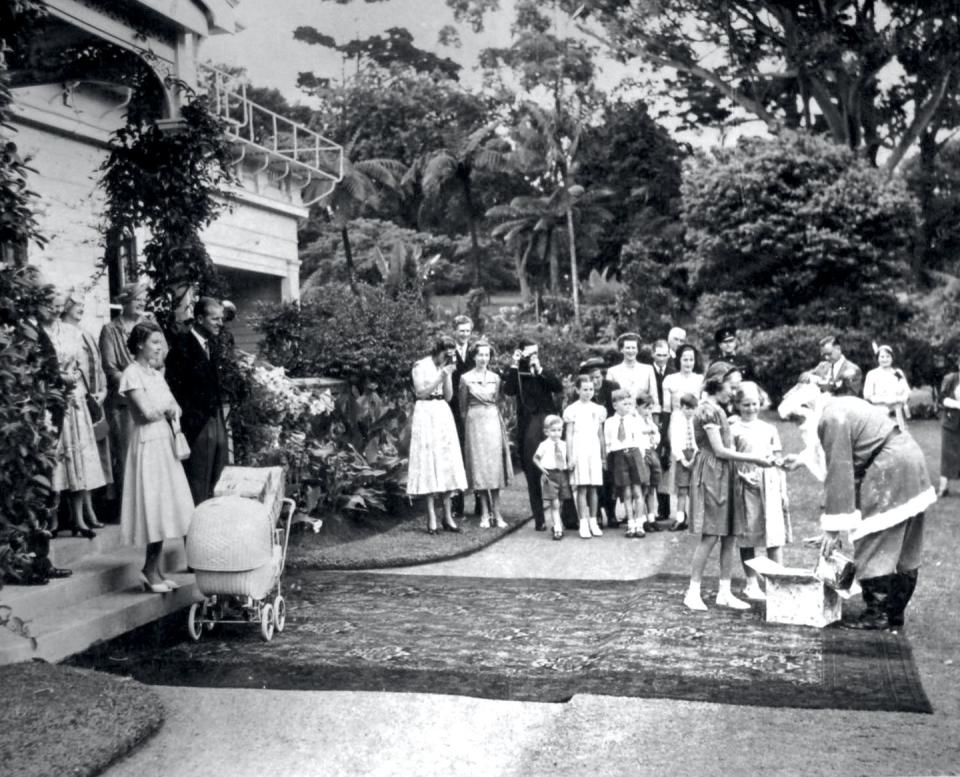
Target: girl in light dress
485, 448
585, 453
887, 385
436, 464
759, 493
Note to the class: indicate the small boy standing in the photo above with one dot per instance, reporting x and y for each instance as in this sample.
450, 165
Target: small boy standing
624, 436
651, 440
684, 448
551, 459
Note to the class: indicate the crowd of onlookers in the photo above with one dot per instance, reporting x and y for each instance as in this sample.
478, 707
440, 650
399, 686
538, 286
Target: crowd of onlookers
143, 422
677, 443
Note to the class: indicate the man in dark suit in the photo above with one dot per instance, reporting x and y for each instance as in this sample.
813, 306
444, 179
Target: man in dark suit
534, 389
462, 330
662, 366
194, 375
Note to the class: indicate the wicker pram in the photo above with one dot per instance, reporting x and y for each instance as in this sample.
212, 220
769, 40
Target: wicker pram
237, 547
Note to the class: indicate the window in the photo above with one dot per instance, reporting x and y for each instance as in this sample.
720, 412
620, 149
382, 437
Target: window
121, 261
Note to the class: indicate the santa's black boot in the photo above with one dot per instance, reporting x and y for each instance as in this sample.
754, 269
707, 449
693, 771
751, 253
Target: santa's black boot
904, 584
876, 595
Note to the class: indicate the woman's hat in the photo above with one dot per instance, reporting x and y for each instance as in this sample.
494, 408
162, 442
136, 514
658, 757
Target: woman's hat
130, 292
591, 364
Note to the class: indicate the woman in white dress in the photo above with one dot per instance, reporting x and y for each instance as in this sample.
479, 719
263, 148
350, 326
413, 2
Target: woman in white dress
684, 381
77, 469
157, 504
436, 463
887, 385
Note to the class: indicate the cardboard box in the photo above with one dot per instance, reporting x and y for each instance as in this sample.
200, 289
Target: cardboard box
797, 596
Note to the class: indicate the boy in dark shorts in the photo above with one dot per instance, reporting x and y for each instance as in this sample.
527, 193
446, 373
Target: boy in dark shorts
551, 459
625, 439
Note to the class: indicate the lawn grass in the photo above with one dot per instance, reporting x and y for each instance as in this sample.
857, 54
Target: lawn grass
401, 540
58, 720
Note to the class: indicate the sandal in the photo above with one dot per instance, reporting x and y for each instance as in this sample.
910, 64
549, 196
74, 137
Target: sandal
558, 534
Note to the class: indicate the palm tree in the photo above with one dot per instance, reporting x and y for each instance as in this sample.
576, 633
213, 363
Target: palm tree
454, 166
547, 146
361, 189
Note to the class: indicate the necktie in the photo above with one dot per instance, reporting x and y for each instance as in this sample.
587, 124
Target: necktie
621, 432
558, 455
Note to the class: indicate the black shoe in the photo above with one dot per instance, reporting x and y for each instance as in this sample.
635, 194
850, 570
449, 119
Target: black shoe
869, 621
540, 527
679, 527
451, 527
59, 572
431, 531
650, 527
88, 533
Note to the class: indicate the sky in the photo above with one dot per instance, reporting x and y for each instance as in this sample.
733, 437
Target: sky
272, 57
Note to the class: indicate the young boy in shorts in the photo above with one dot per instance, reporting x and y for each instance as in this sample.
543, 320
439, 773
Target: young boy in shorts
551, 459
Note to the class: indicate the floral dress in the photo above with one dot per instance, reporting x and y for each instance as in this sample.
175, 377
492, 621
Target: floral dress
760, 494
486, 451
78, 465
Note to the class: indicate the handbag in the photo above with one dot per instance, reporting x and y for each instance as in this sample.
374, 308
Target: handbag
97, 415
181, 448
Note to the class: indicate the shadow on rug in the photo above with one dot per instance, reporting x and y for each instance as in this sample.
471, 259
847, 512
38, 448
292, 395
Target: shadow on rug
530, 640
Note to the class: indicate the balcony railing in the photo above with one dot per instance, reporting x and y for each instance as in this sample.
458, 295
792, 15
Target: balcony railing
274, 141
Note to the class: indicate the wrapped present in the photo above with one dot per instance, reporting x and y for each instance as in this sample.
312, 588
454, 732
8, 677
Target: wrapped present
796, 596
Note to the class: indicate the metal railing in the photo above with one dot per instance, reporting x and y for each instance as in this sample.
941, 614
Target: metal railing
276, 142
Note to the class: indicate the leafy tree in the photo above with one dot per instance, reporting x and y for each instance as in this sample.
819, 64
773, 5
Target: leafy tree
799, 64
627, 152
396, 48
800, 219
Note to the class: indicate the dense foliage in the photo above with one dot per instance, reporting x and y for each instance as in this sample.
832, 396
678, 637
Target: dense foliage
372, 340
168, 179
801, 219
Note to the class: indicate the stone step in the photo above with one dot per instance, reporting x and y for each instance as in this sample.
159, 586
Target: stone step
66, 551
57, 634
93, 576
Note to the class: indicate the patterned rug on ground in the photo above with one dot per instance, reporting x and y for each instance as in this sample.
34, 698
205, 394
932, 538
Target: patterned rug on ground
531, 640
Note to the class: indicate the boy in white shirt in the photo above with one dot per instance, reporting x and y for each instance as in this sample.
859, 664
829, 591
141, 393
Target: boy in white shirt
626, 441
551, 459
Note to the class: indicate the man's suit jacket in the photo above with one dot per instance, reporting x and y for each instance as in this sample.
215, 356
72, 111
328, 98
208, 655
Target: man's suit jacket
668, 369
949, 416
848, 381
194, 378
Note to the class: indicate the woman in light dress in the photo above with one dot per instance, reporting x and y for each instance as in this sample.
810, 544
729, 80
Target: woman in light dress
95, 382
436, 464
684, 381
486, 450
157, 504
77, 469
887, 385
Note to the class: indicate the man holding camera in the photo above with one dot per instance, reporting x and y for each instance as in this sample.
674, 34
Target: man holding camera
534, 390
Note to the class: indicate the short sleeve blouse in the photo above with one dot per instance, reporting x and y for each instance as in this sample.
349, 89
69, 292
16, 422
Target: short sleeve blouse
708, 416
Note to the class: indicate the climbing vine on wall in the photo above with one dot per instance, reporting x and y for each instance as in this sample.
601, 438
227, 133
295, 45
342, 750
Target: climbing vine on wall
166, 178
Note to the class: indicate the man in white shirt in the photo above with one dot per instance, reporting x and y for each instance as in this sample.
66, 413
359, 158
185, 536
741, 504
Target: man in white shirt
631, 374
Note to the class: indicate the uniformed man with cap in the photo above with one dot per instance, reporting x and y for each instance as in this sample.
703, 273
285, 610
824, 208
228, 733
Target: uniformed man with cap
727, 350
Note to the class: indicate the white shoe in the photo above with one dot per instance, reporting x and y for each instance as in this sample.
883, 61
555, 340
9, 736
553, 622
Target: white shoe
499, 522
594, 527
692, 601
755, 592
585, 529
485, 522
731, 601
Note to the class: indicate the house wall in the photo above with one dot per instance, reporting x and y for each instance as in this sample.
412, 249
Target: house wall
66, 145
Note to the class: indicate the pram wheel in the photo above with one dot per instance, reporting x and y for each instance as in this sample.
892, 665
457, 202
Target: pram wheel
194, 624
266, 622
280, 612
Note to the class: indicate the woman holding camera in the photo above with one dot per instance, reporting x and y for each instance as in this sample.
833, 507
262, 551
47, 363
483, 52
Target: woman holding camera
534, 390
436, 464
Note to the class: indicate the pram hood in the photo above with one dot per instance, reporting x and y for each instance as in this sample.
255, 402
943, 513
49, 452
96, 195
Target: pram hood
230, 534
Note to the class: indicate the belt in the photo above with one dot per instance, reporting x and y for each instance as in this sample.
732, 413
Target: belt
435, 396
